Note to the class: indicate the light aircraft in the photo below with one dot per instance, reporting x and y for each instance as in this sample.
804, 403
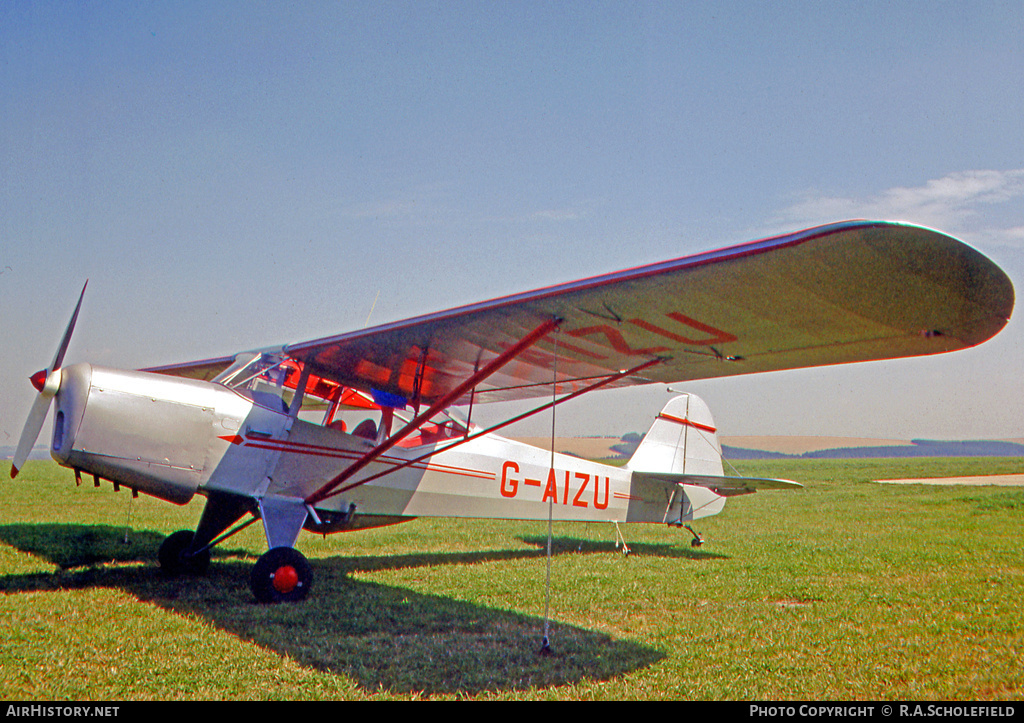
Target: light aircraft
358, 430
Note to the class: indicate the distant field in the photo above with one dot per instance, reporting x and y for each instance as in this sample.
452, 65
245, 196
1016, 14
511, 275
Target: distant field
800, 445
587, 447
601, 447
846, 590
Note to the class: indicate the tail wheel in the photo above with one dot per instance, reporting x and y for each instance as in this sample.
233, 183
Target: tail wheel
174, 557
281, 575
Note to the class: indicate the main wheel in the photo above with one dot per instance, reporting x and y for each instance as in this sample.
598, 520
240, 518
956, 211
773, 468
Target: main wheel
281, 575
174, 559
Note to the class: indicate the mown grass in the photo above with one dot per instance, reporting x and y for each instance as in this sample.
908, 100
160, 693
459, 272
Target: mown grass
844, 590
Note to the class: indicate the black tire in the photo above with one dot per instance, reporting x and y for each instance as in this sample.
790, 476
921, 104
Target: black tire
174, 560
281, 575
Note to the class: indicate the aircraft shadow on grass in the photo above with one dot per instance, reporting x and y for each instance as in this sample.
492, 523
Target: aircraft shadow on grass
565, 545
382, 636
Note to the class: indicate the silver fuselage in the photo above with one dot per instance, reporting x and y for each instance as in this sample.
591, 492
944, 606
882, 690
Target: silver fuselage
173, 438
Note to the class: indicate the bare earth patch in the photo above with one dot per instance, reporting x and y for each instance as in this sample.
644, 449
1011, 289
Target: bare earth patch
586, 447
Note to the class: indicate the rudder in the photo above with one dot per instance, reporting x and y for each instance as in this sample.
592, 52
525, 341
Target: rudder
682, 440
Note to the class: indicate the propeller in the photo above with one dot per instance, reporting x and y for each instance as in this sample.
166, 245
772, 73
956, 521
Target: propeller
47, 382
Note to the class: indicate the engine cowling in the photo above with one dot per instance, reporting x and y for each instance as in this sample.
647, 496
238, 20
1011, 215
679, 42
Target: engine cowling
147, 432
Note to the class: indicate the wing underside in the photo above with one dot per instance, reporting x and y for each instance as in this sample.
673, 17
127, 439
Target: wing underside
850, 292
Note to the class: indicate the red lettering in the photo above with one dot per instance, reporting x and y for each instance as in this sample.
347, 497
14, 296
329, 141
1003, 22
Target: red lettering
717, 335
509, 486
551, 491
601, 505
576, 501
617, 341
372, 372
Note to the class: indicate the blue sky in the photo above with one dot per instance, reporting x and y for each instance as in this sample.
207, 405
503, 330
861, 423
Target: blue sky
233, 175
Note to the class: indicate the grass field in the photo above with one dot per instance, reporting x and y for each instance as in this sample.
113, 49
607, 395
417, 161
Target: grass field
845, 590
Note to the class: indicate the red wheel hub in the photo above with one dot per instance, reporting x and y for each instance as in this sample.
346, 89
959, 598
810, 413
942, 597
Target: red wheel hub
285, 579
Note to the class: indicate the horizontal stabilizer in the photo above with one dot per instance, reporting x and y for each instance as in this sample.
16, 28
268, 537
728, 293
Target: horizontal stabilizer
724, 486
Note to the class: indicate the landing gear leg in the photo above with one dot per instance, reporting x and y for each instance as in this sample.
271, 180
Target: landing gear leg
282, 574
188, 553
620, 539
177, 558
697, 540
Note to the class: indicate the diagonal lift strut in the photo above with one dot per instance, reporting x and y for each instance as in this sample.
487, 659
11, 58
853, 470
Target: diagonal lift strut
470, 437
442, 403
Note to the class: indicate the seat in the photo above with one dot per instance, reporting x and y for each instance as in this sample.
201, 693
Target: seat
367, 429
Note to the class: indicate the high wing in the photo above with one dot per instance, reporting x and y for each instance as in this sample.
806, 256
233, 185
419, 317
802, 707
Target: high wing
853, 291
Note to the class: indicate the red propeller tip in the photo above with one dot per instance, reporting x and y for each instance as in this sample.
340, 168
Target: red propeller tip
14, 471
38, 379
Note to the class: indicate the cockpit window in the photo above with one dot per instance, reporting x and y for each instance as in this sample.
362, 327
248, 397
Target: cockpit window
270, 379
443, 427
260, 377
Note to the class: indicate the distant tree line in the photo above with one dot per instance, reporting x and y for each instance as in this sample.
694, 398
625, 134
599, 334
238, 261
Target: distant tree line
917, 448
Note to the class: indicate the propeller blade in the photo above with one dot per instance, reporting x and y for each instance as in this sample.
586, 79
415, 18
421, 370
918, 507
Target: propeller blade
59, 358
48, 389
33, 424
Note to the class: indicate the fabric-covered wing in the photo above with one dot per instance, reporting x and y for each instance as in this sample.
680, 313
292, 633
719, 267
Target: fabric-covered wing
854, 291
204, 370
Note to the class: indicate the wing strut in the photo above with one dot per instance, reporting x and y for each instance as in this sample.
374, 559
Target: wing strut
330, 491
494, 365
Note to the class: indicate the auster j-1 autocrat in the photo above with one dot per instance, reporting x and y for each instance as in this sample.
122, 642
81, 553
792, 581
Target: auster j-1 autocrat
375, 427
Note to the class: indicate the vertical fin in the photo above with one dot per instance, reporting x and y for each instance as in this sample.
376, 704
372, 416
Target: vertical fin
682, 440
